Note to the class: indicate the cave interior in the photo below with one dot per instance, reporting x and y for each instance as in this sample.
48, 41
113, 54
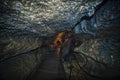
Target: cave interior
59, 39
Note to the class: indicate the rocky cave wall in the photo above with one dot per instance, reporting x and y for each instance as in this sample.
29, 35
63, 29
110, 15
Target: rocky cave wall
25, 24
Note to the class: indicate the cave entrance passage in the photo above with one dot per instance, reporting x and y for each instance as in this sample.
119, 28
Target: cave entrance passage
52, 66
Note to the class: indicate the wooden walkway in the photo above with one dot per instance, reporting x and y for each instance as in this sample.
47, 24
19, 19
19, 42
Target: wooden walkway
50, 69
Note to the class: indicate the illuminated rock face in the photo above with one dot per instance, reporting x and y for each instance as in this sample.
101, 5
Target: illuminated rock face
105, 26
46, 16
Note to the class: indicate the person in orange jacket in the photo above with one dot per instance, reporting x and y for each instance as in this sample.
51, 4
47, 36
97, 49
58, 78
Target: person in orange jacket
60, 40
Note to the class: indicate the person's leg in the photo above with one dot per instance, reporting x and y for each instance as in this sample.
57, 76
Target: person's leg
58, 51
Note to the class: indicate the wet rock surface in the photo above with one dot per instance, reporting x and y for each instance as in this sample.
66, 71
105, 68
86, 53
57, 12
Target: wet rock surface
42, 16
28, 27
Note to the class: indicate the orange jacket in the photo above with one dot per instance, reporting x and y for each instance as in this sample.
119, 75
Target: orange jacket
59, 38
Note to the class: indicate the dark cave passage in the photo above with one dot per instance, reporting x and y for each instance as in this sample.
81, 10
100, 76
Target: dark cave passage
59, 40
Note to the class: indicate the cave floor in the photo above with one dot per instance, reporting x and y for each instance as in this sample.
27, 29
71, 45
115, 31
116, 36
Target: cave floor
51, 69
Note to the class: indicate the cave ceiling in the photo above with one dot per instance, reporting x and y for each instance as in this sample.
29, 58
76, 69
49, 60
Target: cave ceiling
46, 16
